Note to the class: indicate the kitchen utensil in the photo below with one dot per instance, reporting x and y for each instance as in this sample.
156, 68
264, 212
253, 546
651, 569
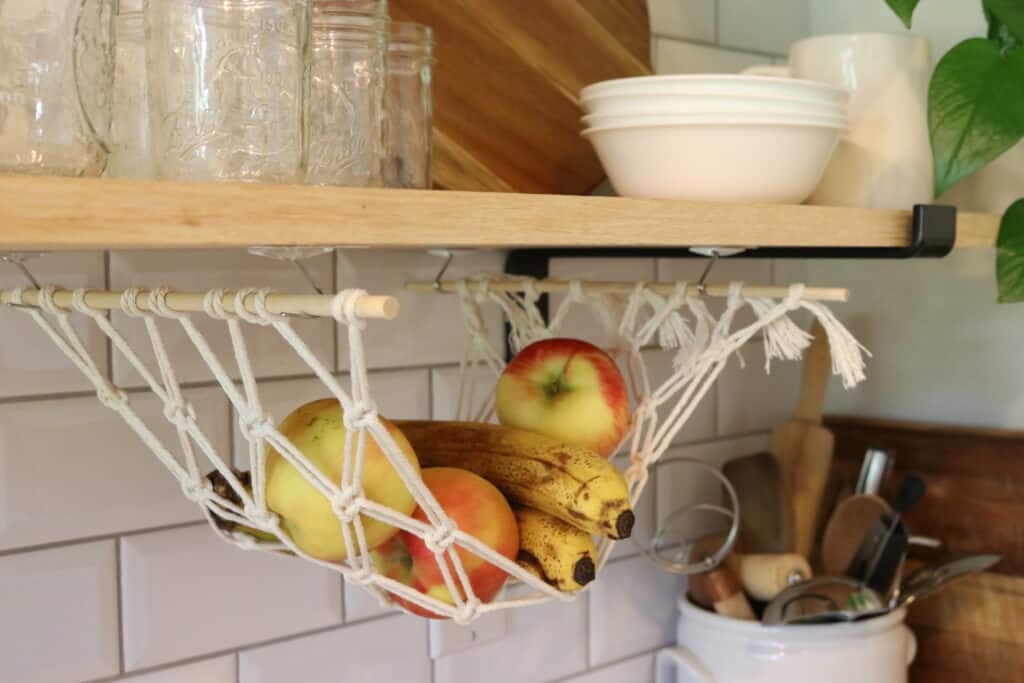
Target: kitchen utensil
721, 589
615, 120
878, 562
821, 600
853, 519
346, 99
625, 105
523, 64
885, 160
56, 76
707, 84
928, 580
756, 481
714, 649
227, 89
409, 110
762, 575
803, 449
877, 464
975, 487
716, 161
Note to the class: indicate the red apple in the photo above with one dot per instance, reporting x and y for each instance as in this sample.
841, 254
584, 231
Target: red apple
566, 389
476, 507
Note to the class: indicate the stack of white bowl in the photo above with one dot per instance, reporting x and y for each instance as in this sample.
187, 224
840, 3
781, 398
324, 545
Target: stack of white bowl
714, 138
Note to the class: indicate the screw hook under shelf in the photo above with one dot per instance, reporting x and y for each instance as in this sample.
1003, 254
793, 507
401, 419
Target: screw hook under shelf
18, 259
448, 255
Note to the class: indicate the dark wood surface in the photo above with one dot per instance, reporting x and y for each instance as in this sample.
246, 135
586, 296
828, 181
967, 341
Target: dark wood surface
974, 630
506, 84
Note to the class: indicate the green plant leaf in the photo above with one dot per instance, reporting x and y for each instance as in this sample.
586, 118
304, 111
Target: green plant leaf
975, 108
1010, 17
904, 9
1010, 255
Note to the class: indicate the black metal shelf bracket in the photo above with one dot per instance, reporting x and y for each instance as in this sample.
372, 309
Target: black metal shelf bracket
933, 235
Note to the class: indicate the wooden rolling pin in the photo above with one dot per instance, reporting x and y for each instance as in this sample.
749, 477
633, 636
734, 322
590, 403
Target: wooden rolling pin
761, 575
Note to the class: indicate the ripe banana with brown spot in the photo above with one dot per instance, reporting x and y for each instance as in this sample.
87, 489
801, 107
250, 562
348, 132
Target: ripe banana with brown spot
556, 552
569, 482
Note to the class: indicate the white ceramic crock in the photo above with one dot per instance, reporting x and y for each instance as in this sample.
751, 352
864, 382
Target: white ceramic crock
714, 649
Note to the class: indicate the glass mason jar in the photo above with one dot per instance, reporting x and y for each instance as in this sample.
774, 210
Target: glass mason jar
346, 99
56, 75
227, 88
130, 153
410, 108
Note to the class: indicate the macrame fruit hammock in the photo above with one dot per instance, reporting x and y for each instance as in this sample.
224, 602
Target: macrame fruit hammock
235, 502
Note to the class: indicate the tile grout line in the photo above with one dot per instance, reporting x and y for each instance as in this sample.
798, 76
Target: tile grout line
119, 600
112, 536
238, 667
697, 42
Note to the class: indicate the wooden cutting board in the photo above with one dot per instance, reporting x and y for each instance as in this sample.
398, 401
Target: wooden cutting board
973, 631
507, 81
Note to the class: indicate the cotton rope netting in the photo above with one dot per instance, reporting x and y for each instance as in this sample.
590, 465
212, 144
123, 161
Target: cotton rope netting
703, 345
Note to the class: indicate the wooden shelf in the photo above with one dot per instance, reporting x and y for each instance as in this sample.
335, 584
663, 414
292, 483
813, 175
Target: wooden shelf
51, 214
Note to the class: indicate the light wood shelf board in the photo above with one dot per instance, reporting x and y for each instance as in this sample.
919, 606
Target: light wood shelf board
83, 214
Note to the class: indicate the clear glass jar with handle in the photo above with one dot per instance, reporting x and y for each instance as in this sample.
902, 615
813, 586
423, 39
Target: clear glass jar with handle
410, 106
346, 109
56, 74
227, 88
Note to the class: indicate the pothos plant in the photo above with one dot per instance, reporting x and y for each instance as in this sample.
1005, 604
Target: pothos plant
976, 113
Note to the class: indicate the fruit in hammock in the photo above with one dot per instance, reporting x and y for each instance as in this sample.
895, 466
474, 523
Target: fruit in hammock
477, 508
317, 430
566, 389
223, 489
555, 551
571, 483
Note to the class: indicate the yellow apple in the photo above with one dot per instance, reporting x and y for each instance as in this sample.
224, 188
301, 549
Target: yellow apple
566, 389
317, 429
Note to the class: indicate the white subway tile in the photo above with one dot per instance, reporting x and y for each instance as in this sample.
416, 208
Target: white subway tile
400, 395
751, 399
218, 670
581, 321
683, 18
361, 605
677, 57
58, 614
392, 649
636, 670
544, 642
681, 484
186, 592
97, 475
632, 609
200, 270
429, 330
29, 362
479, 388
763, 26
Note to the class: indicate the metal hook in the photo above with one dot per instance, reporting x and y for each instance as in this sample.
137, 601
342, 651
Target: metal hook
701, 284
307, 275
448, 255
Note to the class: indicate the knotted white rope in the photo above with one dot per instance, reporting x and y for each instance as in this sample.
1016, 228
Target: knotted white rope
702, 344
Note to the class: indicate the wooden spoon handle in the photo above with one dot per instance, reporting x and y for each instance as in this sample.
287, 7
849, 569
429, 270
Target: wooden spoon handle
817, 368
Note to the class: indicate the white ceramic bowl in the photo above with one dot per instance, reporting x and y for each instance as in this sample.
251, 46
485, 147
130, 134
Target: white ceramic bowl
686, 104
777, 163
729, 84
629, 120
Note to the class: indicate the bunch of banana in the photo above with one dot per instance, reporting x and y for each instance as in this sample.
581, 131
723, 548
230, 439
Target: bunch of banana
554, 551
568, 482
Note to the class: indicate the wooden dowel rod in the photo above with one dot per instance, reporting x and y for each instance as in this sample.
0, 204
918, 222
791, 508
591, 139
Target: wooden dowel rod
316, 305
715, 290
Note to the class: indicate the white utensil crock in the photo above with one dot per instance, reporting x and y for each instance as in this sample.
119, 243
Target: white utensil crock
885, 161
715, 649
